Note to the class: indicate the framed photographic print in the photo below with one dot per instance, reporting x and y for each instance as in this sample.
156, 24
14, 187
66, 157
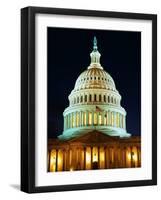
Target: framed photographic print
88, 99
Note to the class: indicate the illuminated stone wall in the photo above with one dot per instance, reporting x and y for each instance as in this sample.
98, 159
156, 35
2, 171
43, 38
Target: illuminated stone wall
78, 157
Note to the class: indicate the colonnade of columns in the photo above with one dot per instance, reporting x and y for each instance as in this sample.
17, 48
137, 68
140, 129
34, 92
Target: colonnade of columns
92, 118
93, 157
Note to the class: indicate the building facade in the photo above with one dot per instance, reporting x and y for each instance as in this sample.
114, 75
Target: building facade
94, 135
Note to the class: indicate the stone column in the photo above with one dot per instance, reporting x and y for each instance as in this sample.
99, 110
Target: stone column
91, 156
63, 151
103, 115
131, 163
80, 119
115, 157
84, 158
138, 157
120, 121
97, 113
87, 118
56, 163
105, 156
49, 156
124, 122
114, 119
75, 120
64, 122
68, 120
98, 157
92, 118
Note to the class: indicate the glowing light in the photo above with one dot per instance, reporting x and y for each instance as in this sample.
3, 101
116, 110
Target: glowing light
90, 118
95, 154
71, 169
88, 158
134, 157
95, 118
100, 119
129, 156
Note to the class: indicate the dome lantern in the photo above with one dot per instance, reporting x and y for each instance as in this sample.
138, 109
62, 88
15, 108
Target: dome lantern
95, 56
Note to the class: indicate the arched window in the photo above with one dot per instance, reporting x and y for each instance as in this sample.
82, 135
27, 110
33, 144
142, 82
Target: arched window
90, 97
81, 99
74, 100
77, 99
108, 99
95, 97
100, 98
104, 98
85, 98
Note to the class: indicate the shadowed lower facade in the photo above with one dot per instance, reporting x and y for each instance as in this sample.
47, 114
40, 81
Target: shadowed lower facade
95, 135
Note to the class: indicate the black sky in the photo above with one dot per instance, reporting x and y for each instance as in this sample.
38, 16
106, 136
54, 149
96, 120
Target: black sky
69, 55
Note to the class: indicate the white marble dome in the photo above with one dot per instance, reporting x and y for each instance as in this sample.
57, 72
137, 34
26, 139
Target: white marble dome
94, 103
94, 78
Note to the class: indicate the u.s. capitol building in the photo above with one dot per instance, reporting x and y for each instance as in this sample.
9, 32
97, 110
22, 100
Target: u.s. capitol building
95, 135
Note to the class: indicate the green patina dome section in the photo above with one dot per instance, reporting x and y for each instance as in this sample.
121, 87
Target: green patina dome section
94, 103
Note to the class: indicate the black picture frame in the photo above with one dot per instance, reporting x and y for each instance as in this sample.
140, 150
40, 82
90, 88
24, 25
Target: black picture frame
28, 98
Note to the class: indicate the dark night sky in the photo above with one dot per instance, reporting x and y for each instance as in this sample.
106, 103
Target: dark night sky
69, 55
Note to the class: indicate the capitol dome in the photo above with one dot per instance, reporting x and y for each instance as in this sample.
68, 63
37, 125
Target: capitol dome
94, 103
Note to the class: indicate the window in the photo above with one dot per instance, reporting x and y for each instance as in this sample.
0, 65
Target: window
108, 99
77, 99
100, 98
85, 98
114, 101
90, 97
95, 97
81, 99
104, 98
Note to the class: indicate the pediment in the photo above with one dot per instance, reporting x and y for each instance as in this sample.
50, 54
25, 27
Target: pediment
94, 137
